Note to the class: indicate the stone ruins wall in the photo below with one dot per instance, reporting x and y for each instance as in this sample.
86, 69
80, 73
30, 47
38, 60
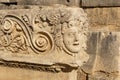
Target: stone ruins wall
59, 39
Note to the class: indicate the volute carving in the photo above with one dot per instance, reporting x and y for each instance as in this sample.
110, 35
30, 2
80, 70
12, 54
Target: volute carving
12, 36
58, 21
50, 34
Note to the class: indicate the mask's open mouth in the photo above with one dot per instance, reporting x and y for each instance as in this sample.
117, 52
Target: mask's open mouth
76, 43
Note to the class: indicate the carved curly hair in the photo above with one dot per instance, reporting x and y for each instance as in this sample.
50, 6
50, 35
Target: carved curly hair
75, 17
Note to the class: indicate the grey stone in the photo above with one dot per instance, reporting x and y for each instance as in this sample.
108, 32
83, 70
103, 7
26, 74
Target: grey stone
49, 2
100, 3
103, 48
7, 1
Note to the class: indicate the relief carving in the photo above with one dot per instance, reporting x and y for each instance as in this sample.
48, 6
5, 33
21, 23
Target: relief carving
66, 25
12, 37
42, 42
54, 36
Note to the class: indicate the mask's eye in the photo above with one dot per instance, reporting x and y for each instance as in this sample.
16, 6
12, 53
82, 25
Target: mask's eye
71, 34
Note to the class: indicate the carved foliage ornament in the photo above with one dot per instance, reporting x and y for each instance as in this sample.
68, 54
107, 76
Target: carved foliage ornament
12, 36
65, 25
50, 23
53, 30
16, 36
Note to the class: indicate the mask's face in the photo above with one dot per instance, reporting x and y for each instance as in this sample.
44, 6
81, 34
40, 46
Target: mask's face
72, 39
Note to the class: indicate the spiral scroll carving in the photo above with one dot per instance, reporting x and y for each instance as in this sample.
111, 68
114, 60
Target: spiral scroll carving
12, 36
42, 42
7, 26
16, 36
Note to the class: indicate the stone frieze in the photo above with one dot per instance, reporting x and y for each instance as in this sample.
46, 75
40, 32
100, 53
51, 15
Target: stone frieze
45, 38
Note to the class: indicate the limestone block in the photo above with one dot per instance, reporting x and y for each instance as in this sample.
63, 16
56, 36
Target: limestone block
54, 41
44, 38
104, 54
104, 19
49, 2
7, 1
100, 3
9, 73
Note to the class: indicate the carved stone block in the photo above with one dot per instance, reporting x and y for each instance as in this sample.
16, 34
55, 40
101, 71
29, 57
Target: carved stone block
51, 39
53, 42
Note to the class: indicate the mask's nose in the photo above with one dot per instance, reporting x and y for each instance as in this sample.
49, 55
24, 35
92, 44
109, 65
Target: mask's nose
76, 37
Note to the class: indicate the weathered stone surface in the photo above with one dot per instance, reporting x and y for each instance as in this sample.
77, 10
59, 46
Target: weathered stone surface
49, 29
7, 1
104, 19
81, 75
100, 3
104, 56
9, 73
103, 76
25, 31
50, 39
49, 2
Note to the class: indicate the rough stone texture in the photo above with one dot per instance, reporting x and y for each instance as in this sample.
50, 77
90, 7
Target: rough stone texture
47, 38
102, 44
9, 73
100, 3
39, 26
49, 2
104, 19
81, 75
7, 1
104, 56
80, 3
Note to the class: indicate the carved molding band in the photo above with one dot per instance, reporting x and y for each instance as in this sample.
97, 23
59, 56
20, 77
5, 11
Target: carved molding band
46, 68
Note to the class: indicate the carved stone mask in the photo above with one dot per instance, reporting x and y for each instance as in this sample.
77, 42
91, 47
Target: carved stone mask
71, 39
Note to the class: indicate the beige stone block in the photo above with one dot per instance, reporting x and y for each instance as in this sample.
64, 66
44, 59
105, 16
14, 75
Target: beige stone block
8, 73
49, 39
100, 3
7, 1
103, 48
49, 2
104, 19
